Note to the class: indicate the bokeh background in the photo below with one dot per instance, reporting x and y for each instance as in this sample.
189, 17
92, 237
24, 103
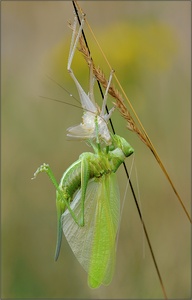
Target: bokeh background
148, 44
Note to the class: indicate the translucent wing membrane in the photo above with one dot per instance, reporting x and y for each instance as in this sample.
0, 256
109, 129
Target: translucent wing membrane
88, 128
94, 243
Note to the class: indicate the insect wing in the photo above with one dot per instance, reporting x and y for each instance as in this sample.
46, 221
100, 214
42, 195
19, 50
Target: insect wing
85, 130
94, 243
102, 261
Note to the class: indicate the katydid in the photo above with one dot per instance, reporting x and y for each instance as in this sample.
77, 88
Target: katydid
87, 201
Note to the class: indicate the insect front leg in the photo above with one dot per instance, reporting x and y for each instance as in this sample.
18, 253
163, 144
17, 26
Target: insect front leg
91, 81
105, 98
85, 177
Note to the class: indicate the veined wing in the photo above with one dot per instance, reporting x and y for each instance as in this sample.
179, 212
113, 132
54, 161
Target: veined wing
85, 130
94, 243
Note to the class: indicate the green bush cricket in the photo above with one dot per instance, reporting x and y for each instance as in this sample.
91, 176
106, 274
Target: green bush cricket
87, 198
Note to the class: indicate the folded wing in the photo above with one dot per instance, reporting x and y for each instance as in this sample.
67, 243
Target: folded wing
94, 243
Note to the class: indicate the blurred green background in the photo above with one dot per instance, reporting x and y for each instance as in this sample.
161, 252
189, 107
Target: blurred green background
148, 44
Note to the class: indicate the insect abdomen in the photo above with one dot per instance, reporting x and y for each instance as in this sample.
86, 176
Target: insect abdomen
71, 179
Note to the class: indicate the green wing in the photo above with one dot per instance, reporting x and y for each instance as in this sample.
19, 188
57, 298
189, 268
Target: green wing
94, 243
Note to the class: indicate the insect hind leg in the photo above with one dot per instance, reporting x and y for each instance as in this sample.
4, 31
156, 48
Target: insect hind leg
74, 42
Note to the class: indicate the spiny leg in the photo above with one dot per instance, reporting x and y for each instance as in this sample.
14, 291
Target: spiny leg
84, 183
97, 134
73, 27
106, 95
86, 102
91, 81
74, 41
59, 230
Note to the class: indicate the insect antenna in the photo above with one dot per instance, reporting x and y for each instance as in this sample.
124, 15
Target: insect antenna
63, 88
60, 101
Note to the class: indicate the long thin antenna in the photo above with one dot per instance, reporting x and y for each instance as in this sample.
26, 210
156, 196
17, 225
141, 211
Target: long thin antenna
127, 174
